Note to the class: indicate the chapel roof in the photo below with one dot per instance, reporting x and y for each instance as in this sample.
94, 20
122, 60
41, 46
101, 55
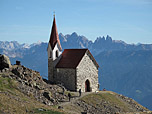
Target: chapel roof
54, 37
72, 57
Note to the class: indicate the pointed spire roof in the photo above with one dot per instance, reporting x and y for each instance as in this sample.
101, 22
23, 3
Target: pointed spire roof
54, 37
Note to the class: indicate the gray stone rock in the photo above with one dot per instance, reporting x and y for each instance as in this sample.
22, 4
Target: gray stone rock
60, 107
4, 62
47, 95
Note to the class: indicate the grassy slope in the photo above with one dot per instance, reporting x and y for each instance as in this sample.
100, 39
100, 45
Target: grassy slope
110, 97
13, 101
94, 99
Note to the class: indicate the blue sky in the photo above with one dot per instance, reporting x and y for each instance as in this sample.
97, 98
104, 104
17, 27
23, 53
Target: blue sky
28, 21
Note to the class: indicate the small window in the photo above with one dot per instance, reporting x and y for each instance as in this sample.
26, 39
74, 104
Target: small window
57, 54
50, 54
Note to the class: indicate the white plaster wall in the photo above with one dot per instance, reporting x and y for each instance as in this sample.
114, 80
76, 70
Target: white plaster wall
56, 48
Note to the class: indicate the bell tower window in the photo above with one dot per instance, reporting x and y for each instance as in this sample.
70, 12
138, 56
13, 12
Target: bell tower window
57, 54
50, 54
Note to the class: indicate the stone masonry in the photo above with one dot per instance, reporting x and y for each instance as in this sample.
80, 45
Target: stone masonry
66, 77
74, 79
87, 70
50, 71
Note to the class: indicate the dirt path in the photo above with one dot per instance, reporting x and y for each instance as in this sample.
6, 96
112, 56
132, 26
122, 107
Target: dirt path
66, 104
74, 98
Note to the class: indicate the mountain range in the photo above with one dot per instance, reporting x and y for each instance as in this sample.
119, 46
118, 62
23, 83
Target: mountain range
124, 68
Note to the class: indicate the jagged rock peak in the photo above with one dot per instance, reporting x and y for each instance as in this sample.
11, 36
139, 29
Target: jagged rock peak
62, 37
60, 34
108, 38
74, 34
100, 38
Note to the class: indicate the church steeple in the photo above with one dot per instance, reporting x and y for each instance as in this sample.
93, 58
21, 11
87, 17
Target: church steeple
54, 37
54, 51
54, 46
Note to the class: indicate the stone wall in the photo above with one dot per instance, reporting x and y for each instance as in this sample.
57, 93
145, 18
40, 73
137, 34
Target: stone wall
52, 61
87, 70
50, 69
66, 76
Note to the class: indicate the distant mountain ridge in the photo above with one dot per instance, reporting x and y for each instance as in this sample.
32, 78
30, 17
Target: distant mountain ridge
100, 44
76, 41
14, 49
121, 64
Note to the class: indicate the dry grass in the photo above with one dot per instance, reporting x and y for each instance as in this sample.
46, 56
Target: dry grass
14, 102
96, 98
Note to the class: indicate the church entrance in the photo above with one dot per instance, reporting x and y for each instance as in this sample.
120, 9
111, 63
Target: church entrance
87, 86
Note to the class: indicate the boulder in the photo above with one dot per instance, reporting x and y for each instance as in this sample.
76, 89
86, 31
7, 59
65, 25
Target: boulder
46, 95
4, 62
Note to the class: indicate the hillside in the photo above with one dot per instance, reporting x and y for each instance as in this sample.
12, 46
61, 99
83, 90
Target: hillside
18, 100
23, 90
13, 101
104, 102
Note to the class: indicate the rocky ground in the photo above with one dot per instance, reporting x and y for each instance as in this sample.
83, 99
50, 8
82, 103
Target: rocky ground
31, 83
23, 90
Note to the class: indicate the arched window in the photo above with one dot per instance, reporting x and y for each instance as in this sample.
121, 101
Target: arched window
57, 54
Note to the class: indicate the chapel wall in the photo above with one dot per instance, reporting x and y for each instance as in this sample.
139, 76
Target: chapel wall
66, 76
87, 70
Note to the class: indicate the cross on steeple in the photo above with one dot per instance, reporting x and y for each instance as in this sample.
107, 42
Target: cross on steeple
54, 13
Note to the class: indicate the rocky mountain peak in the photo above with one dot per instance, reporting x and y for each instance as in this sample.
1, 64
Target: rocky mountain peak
74, 34
9, 45
62, 38
100, 39
108, 39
